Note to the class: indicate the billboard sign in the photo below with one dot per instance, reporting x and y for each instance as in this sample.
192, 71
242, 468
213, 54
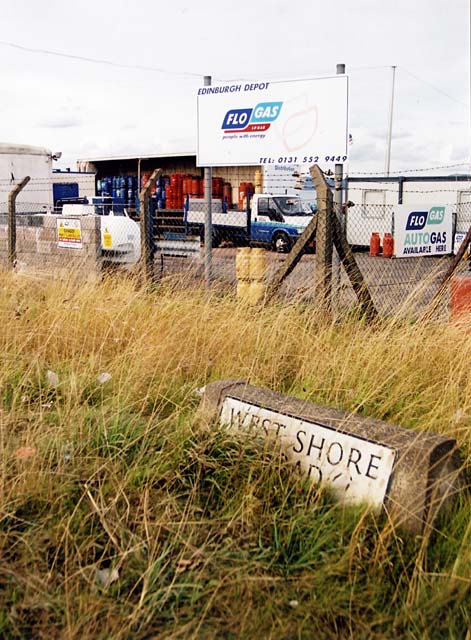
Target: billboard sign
273, 123
422, 230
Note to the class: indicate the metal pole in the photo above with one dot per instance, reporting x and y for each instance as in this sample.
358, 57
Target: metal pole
208, 223
338, 184
391, 108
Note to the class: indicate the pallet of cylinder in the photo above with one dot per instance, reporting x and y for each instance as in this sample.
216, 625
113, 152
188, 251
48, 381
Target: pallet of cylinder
410, 475
251, 274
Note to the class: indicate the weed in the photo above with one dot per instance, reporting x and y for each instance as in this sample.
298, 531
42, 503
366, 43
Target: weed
211, 535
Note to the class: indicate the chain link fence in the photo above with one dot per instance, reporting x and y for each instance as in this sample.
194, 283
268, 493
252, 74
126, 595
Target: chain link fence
81, 240
398, 285
62, 235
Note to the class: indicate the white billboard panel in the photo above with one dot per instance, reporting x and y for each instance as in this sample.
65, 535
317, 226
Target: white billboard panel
273, 123
422, 230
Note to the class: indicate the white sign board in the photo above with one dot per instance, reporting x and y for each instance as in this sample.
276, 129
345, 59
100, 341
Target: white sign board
69, 233
458, 241
422, 230
268, 123
357, 470
289, 179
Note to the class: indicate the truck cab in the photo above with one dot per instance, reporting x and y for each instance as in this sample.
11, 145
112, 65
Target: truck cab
279, 220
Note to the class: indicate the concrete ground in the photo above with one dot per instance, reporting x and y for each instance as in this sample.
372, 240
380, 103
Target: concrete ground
401, 286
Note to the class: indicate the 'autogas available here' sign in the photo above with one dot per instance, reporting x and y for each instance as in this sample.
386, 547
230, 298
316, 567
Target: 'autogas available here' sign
422, 230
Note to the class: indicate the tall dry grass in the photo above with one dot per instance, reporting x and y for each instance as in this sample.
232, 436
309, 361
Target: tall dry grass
208, 535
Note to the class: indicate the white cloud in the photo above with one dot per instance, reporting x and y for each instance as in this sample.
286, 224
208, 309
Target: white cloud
88, 109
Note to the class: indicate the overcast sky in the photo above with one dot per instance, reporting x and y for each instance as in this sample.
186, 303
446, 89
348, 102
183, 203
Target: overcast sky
89, 109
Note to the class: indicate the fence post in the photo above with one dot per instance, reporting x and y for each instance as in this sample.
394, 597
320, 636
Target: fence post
147, 254
292, 259
324, 239
353, 272
12, 219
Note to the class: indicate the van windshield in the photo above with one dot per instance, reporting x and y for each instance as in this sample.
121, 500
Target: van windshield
290, 206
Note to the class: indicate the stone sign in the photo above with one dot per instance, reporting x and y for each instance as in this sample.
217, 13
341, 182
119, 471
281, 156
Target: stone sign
410, 475
356, 469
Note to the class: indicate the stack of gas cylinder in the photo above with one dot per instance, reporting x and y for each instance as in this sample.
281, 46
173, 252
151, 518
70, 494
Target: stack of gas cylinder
171, 191
122, 188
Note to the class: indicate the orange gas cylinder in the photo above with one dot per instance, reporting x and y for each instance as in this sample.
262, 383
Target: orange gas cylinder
227, 194
217, 187
145, 175
195, 187
388, 245
242, 187
375, 244
460, 303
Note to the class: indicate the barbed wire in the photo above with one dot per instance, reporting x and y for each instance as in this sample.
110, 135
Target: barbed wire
400, 172
326, 171
410, 190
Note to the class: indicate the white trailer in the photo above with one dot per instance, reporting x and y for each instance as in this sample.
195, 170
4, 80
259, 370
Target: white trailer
19, 161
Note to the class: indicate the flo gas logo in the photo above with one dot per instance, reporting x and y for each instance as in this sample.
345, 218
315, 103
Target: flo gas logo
258, 118
418, 219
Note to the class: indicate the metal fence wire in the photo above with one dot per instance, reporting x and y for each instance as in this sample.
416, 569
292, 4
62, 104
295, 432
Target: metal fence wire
58, 238
403, 286
82, 241
399, 285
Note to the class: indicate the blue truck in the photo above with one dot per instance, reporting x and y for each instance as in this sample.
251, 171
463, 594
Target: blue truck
272, 221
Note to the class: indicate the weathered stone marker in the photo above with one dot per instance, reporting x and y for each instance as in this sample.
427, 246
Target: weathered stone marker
411, 475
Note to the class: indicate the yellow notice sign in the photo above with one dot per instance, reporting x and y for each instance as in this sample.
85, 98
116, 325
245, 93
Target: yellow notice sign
69, 233
107, 239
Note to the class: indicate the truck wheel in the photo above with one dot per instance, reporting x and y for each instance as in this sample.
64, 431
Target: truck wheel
281, 242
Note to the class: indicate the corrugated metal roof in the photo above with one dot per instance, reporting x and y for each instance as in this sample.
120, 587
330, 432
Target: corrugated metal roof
141, 156
23, 149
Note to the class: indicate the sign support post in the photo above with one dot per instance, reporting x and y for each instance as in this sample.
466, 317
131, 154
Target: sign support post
208, 223
338, 192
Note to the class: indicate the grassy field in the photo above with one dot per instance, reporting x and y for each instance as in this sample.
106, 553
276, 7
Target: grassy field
123, 515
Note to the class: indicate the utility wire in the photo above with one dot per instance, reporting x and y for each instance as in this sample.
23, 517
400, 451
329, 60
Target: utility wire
444, 93
110, 63
188, 74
